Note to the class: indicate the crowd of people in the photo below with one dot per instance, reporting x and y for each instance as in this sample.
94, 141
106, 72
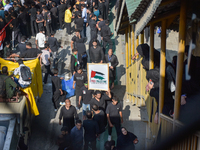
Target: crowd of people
41, 19
190, 83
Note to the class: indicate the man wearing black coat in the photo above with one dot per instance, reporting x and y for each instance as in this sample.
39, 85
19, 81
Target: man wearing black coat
96, 53
113, 62
93, 29
54, 46
61, 12
105, 36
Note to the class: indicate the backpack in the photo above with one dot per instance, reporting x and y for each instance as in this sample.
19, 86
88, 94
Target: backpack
25, 73
3, 86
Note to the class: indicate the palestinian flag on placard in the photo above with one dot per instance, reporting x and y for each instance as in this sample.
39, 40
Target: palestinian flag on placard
97, 75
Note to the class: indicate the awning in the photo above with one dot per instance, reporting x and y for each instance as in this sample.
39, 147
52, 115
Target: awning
119, 14
132, 6
146, 16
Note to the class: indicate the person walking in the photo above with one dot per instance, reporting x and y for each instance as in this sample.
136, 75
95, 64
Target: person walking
100, 118
57, 89
68, 19
96, 53
54, 16
54, 46
61, 11
47, 21
87, 25
32, 13
99, 99
86, 96
93, 29
102, 8
105, 36
100, 25
77, 136
15, 28
91, 131
75, 39
75, 61
45, 59
40, 39
114, 117
79, 78
79, 24
84, 16
69, 114
112, 60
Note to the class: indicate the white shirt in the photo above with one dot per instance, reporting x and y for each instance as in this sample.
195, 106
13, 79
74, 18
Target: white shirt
18, 72
84, 14
45, 57
6, 8
40, 37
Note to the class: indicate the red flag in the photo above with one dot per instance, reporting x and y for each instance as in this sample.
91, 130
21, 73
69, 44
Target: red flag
3, 32
93, 74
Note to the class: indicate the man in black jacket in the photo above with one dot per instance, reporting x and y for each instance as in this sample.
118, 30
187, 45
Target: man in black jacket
100, 26
79, 24
61, 12
33, 12
113, 62
75, 38
75, 61
80, 45
22, 17
57, 89
102, 9
54, 46
54, 16
93, 29
96, 53
91, 131
105, 36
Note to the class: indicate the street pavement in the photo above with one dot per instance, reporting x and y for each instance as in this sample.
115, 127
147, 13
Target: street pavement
45, 128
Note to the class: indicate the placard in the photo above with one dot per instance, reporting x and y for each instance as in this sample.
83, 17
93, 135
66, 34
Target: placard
98, 76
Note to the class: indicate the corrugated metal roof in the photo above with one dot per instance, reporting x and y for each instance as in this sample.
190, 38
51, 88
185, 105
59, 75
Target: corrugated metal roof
146, 16
131, 7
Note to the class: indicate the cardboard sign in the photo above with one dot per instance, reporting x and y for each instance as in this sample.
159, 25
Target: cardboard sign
98, 76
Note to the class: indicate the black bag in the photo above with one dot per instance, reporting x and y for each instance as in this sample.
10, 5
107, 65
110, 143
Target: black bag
25, 73
3, 86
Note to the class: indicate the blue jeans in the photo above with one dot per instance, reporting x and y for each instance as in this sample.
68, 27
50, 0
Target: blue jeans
101, 141
85, 107
82, 33
21, 85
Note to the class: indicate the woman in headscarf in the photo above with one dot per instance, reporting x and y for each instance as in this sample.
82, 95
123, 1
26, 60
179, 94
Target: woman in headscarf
126, 141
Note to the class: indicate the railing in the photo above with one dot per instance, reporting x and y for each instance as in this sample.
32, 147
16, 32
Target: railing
190, 143
136, 83
136, 93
